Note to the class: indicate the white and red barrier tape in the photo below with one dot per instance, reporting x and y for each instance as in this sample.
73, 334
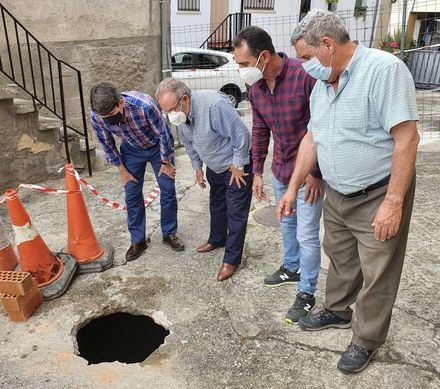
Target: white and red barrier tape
155, 192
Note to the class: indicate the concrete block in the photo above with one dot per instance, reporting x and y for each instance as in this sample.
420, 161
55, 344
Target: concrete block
28, 309
49, 124
23, 107
13, 303
9, 91
16, 283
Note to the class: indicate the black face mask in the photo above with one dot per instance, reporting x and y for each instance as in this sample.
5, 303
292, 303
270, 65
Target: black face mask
114, 119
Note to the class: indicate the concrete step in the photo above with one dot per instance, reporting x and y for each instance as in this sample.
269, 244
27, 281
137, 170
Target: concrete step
23, 107
9, 91
49, 124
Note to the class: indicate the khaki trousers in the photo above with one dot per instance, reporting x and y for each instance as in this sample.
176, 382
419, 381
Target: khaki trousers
362, 269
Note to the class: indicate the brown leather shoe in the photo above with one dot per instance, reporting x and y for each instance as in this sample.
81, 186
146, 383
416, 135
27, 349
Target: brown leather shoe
226, 270
206, 248
136, 250
173, 241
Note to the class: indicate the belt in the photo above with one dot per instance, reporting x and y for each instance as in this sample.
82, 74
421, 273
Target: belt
364, 192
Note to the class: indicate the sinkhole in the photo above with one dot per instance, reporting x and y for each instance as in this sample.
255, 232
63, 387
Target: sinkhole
120, 337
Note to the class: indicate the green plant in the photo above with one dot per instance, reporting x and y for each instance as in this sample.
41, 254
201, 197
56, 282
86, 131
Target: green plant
360, 11
391, 43
331, 1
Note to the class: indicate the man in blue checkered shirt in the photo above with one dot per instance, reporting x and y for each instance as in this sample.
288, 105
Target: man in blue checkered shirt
146, 137
214, 134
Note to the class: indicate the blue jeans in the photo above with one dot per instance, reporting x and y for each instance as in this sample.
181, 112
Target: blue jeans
300, 234
135, 161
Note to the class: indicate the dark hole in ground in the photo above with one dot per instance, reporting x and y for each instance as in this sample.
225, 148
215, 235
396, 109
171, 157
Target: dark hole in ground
120, 337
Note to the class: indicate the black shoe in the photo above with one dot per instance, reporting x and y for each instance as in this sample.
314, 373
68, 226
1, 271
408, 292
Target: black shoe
173, 241
322, 320
304, 302
136, 250
355, 359
281, 277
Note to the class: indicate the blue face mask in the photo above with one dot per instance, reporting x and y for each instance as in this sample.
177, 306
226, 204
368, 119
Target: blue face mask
315, 68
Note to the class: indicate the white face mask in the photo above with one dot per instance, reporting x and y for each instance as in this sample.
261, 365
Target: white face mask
250, 75
176, 118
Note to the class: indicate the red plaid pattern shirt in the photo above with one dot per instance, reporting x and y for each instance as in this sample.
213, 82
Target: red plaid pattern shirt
284, 113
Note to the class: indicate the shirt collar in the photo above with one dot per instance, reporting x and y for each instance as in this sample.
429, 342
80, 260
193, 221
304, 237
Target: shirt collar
355, 59
352, 65
192, 109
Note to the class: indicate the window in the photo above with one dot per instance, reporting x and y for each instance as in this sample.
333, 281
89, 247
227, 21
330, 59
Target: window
361, 3
266, 5
188, 5
209, 61
182, 61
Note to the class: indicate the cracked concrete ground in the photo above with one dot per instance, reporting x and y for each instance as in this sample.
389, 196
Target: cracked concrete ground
223, 335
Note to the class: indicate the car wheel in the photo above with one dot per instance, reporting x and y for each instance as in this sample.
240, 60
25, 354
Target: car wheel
234, 95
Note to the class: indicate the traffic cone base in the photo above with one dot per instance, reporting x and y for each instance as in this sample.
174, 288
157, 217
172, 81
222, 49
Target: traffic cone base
58, 287
52, 273
103, 263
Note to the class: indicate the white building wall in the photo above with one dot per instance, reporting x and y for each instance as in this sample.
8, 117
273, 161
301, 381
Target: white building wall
286, 13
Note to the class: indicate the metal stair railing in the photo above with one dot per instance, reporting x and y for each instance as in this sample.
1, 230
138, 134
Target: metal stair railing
221, 38
38, 72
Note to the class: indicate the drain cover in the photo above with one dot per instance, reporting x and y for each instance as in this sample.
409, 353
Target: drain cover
120, 337
267, 216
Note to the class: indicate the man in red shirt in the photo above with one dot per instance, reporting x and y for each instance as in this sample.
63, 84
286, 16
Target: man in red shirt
279, 95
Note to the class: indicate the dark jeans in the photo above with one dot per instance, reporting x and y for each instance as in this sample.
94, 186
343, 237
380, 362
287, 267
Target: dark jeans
135, 161
229, 208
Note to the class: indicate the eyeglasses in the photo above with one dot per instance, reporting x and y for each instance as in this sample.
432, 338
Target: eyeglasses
174, 108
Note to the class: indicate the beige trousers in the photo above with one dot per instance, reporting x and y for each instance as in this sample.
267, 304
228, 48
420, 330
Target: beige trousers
362, 269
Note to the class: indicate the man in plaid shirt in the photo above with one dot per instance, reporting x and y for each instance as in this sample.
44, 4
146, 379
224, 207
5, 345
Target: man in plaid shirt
146, 137
279, 95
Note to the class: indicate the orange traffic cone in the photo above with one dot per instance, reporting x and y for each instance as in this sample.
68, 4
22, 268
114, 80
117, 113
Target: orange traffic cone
53, 274
81, 241
8, 259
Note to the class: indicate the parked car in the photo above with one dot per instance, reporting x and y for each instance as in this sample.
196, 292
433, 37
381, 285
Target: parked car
208, 69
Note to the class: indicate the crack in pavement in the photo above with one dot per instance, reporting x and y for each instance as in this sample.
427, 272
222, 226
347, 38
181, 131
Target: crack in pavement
435, 325
263, 336
306, 347
154, 227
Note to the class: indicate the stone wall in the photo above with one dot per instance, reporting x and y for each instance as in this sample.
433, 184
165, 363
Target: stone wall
107, 40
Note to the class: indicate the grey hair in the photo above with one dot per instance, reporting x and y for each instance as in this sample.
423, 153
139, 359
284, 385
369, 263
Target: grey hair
104, 97
173, 85
318, 24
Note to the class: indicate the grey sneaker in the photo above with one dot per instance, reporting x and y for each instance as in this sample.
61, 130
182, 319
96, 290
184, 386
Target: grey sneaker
355, 359
304, 302
322, 320
281, 277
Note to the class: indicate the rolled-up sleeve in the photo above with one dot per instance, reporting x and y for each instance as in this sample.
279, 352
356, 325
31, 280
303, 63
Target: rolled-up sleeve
106, 140
225, 121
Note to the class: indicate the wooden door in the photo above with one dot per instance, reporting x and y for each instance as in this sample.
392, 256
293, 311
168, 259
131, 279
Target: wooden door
219, 11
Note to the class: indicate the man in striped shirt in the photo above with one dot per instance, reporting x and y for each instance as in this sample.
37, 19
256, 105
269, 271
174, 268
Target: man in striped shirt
146, 137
